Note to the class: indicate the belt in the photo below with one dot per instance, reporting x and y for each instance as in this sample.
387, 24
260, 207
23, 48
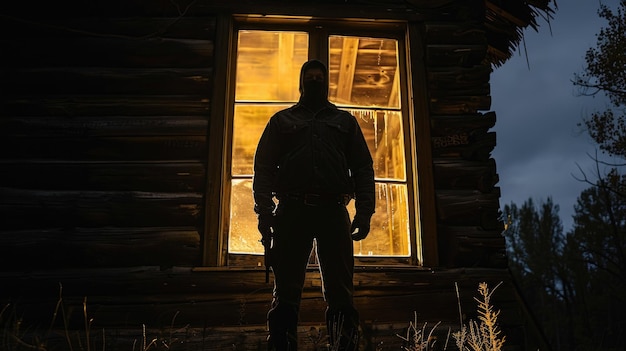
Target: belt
316, 199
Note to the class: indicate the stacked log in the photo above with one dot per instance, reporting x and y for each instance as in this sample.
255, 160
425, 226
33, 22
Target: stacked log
103, 141
467, 198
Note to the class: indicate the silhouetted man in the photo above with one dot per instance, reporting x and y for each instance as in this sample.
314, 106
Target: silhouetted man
313, 158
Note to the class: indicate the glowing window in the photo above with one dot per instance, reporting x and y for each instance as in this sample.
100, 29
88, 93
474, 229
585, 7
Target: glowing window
364, 80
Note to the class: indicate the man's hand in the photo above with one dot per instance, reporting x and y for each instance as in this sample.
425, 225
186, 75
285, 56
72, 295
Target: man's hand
360, 227
266, 225
266, 228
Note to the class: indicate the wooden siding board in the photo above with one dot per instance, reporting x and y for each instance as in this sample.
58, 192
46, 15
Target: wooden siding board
104, 148
157, 176
455, 81
31, 209
447, 105
467, 146
462, 174
108, 52
109, 81
473, 246
99, 247
439, 55
106, 105
201, 28
102, 126
454, 33
469, 208
455, 124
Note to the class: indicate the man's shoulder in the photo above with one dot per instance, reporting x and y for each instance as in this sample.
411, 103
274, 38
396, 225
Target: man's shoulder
341, 114
284, 111
300, 112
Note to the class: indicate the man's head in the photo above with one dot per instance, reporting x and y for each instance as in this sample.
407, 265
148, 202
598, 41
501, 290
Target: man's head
314, 81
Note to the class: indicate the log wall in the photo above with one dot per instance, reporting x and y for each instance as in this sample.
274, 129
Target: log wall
106, 117
469, 230
103, 140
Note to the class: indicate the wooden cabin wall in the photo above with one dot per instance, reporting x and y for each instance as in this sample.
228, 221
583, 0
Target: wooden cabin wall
105, 123
469, 229
103, 136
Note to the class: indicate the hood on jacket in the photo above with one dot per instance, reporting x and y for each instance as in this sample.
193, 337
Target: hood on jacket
314, 64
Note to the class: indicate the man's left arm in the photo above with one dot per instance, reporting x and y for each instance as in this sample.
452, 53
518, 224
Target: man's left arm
361, 164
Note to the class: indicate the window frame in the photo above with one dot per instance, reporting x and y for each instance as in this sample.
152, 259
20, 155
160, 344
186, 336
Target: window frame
421, 210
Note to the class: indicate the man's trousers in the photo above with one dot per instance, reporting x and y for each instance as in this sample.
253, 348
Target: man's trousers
297, 225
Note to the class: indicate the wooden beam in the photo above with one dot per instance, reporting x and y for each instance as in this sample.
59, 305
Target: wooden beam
347, 68
424, 171
218, 175
287, 87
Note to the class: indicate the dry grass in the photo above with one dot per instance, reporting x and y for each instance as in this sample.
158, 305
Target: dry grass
420, 338
481, 335
484, 334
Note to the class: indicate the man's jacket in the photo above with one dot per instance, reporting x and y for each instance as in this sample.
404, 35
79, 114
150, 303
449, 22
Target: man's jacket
324, 153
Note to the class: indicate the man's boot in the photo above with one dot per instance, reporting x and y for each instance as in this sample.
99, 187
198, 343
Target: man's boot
283, 326
343, 330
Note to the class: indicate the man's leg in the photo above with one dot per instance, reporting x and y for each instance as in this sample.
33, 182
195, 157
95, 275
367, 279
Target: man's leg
335, 252
290, 254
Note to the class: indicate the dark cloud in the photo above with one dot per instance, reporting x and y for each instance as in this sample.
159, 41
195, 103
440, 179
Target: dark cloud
540, 145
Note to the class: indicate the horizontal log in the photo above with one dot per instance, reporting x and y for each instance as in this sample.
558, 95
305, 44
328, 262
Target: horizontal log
461, 174
455, 124
459, 81
202, 28
103, 176
453, 90
454, 33
32, 209
108, 52
455, 55
456, 105
104, 148
462, 246
476, 147
109, 105
109, 81
193, 283
469, 208
99, 247
102, 126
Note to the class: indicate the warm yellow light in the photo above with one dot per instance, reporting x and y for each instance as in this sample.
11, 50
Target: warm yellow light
363, 79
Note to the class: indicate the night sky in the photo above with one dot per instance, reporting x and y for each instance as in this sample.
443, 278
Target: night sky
540, 146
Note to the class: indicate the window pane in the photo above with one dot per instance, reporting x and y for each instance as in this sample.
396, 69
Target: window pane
364, 71
383, 132
389, 234
244, 236
268, 65
248, 125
